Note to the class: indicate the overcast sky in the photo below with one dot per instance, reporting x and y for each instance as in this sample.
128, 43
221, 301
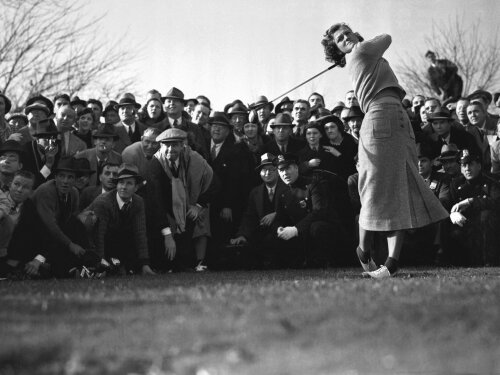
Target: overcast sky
228, 49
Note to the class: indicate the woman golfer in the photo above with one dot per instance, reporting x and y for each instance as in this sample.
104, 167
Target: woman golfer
393, 195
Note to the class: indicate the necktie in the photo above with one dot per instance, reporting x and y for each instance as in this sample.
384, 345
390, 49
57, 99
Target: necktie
271, 194
13, 210
173, 169
130, 133
175, 125
283, 149
213, 152
125, 207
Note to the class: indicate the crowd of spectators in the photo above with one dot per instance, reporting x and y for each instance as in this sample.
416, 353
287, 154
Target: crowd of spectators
88, 190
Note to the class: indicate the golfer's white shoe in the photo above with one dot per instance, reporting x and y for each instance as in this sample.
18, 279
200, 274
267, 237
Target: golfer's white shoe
367, 267
381, 273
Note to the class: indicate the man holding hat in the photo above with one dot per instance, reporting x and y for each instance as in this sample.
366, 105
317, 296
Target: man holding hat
177, 199
173, 104
128, 130
57, 204
283, 141
475, 214
120, 231
256, 225
306, 216
103, 152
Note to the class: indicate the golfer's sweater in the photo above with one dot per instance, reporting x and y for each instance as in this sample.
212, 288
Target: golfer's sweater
370, 72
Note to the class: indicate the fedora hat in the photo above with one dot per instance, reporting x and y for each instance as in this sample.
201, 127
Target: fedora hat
219, 118
481, 94
37, 106
329, 119
75, 100
68, 164
265, 159
42, 100
424, 151
237, 107
338, 105
261, 101
127, 99
174, 93
442, 114
172, 135
282, 119
128, 171
8, 103
448, 152
11, 146
105, 131
45, 129
352, 112
83, 166
110, 106
286, 101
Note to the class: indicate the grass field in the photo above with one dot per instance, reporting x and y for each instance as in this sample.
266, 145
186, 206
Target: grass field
425, 321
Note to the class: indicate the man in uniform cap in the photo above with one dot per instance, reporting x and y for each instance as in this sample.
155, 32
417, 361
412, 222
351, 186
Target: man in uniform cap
177, 199
306, 216
475, 214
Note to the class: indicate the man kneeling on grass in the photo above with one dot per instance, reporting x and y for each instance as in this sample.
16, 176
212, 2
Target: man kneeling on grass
120, 231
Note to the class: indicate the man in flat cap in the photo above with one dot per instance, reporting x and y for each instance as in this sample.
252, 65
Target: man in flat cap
475, 215
128, 130
173, 104
306, 216
444, 78
178, 182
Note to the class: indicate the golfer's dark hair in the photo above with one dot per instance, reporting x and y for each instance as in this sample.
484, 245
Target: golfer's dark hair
332, 52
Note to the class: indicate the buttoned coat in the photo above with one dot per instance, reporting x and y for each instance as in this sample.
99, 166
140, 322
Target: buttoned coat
123, 138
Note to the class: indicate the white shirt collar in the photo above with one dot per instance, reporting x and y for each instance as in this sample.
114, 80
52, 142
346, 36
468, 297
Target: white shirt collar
120, 201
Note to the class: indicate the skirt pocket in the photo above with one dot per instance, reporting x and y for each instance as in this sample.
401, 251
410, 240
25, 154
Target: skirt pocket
381, 127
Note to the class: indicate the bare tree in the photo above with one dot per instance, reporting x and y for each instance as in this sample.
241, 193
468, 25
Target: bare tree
47, 47
476, 52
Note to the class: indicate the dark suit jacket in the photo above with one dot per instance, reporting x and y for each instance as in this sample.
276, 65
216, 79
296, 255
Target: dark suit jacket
196, 137
123, 138
91, 156
32, 162
88, 195
459, 137
255, 208
293, 147
28, 237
